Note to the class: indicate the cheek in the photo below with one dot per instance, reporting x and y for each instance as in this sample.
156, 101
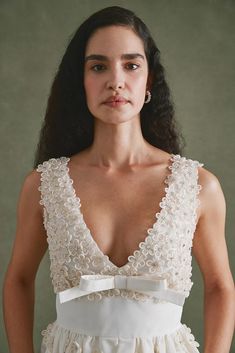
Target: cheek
93, 93
90, 87
139, 86
140, 89
139, 83
87, 85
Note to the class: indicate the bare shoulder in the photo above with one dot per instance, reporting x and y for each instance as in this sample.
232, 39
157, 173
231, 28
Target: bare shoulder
30, 189
32, 180
208, 180
209, 244
211, 194
30, 242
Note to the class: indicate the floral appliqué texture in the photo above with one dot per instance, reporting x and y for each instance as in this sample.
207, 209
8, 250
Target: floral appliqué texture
166, 250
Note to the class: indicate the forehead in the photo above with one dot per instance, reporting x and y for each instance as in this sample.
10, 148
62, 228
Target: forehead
114, 40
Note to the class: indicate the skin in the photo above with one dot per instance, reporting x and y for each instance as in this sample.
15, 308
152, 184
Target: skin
109, 178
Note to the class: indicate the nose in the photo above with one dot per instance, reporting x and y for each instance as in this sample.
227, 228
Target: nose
116, 79
116, 86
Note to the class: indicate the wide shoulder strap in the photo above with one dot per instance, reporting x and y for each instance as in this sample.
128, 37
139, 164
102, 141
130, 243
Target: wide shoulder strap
187, 183
185, 169
53, 174
190, 173
183, 189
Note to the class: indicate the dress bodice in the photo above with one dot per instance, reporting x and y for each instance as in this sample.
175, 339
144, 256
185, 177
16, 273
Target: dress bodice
165, 251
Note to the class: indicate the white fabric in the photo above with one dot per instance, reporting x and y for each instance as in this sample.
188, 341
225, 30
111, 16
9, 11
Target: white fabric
118, 317
118, 325
165, 253
149, 284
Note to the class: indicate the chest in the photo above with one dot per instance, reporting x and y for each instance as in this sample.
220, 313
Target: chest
119, 210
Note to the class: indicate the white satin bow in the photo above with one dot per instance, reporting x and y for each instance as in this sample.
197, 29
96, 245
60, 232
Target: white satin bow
147, 284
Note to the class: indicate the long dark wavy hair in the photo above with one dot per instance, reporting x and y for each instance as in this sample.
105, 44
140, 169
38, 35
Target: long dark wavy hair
68, 127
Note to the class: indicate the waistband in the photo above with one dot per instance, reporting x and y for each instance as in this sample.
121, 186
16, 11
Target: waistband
119, 317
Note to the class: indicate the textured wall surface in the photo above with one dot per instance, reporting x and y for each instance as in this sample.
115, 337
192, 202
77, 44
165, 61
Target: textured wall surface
196, 40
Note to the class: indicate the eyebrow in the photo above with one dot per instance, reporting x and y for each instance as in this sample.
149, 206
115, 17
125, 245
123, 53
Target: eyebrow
105, 58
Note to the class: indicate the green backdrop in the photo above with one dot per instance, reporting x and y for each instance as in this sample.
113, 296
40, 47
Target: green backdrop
196, 39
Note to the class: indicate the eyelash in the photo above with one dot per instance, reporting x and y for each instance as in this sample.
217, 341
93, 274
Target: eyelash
93, 67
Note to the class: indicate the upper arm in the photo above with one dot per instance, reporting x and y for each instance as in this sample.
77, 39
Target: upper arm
30, 242
209, 244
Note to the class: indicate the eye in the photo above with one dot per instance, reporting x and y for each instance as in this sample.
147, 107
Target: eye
97, 66
132, 64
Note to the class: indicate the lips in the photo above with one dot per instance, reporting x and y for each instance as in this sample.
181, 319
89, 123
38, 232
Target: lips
116, 99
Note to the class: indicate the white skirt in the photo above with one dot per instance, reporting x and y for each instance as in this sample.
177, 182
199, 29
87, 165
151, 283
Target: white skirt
118, 325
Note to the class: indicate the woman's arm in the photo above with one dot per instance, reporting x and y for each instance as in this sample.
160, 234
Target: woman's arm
29, 247
210, 251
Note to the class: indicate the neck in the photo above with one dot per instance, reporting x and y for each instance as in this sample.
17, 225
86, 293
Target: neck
117, 146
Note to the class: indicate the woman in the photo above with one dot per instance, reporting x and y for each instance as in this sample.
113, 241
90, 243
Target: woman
120, 208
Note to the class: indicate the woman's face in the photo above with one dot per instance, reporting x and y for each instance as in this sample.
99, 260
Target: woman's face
115, 73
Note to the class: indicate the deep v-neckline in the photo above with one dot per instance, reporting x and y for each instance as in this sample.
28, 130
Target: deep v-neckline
158, 214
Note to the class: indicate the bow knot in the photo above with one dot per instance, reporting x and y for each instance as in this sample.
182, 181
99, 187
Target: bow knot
120, 282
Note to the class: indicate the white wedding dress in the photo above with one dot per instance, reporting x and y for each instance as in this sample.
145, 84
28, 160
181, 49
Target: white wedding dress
136, 308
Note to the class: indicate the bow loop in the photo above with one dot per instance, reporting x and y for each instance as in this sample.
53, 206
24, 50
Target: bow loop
147, 284
93, 283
